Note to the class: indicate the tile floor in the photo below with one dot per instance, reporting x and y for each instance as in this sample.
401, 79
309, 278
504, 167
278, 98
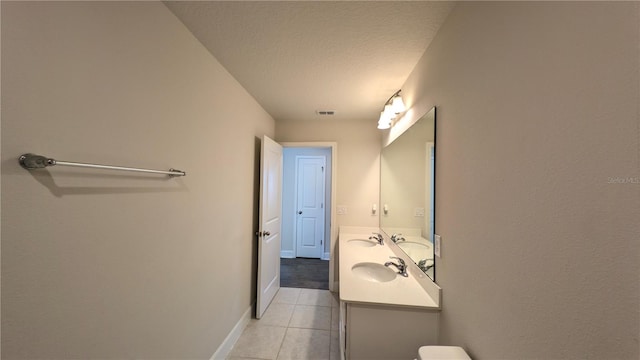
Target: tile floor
300, 324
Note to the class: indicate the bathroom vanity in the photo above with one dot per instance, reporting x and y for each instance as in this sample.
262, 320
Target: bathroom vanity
383, 315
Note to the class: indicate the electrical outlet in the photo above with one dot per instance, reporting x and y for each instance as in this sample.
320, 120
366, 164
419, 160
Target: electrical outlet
418, 212
436, 245
342, 210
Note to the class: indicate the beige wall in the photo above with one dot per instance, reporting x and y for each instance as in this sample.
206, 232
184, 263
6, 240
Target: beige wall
537, 112
111, 265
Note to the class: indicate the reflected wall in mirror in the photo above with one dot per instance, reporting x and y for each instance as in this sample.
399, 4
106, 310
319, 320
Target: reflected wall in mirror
407, 191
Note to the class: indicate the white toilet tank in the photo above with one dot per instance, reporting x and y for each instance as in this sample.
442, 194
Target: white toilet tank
442, 353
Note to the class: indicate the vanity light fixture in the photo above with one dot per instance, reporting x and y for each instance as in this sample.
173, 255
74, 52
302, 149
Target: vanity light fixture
392, 108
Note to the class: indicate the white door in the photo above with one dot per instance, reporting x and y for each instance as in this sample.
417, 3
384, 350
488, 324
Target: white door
310, 198
269, 231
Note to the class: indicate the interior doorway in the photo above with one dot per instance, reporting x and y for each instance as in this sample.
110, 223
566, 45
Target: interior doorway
307, 201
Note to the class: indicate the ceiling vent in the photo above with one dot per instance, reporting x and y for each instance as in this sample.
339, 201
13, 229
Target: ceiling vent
325, 112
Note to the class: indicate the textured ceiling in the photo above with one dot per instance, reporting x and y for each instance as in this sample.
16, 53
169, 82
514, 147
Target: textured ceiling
298, 57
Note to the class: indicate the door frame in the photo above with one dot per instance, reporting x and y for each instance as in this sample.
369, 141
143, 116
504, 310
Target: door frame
333, 286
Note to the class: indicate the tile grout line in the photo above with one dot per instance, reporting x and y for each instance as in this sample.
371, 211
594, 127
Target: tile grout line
282, 343
288, 322
298, 297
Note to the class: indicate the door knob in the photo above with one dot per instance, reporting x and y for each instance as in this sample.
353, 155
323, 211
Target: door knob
266, 233
299, 212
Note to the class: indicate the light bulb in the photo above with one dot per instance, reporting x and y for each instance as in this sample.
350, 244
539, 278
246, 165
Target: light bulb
388, 112
384, 126
398, 105
385, 121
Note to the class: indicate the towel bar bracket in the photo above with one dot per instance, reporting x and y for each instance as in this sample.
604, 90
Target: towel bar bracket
31, 161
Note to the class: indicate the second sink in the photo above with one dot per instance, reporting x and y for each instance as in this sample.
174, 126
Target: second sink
373, 272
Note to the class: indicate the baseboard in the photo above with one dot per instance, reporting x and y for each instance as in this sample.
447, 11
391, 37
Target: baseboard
225, 348
287, 254
326, 256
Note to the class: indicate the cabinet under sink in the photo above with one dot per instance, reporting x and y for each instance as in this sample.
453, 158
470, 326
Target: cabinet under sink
370, 332
383, 315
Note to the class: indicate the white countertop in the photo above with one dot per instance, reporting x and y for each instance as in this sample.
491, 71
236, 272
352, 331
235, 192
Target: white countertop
402, 291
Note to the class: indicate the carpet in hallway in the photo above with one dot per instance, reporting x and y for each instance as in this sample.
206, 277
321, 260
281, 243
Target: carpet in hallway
304, 273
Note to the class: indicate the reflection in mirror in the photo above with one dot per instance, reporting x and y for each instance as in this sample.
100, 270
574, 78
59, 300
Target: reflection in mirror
407, 189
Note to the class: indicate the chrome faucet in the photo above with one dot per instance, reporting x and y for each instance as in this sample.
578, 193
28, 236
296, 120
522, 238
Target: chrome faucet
397, 237
422, 264
401, 266
377, 237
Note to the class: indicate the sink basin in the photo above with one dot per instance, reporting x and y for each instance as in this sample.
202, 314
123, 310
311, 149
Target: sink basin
373, 272
362, 242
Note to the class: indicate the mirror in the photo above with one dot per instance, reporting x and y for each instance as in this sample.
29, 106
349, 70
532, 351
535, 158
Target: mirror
407, 190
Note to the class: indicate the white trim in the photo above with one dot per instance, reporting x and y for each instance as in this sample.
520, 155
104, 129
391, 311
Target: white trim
225, 348
326, 256
334, 190
287, 254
